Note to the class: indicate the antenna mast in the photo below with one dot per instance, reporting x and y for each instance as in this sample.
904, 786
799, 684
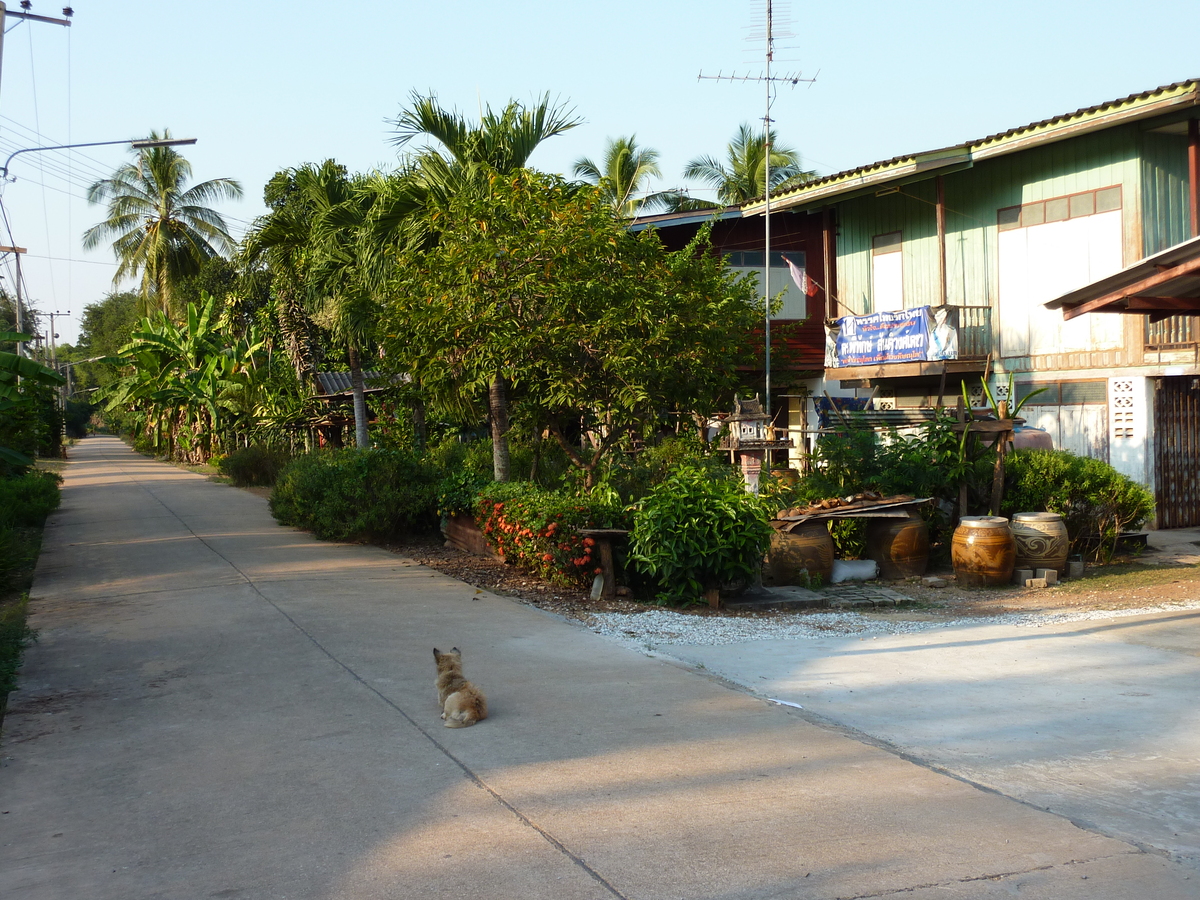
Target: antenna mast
769, 81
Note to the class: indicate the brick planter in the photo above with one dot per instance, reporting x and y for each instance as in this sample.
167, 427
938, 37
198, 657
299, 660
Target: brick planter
462, 532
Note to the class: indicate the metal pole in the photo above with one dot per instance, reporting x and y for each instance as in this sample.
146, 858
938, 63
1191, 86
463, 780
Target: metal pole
767, 231
20, 301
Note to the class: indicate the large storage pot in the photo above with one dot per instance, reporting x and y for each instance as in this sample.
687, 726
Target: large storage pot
1042, 541
983, 551
900, 546
807, 550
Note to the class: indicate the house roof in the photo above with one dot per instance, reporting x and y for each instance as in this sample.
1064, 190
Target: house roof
337, 384
1165, 284
688, 217
916, 166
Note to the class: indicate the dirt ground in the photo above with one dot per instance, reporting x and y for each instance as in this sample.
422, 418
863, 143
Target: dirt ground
1127, 584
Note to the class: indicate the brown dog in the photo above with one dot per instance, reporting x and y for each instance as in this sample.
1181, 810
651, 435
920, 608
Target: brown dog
462, 703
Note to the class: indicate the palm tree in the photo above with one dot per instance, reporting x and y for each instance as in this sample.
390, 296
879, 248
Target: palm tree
161, 228
744, 176
501, 142
622, 175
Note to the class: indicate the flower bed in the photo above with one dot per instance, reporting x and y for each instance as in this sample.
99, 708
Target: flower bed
538, 530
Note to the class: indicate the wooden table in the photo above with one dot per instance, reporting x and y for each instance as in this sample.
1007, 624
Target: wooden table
604, 538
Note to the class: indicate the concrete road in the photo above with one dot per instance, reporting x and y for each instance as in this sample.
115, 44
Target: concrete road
220, 707
1098, 721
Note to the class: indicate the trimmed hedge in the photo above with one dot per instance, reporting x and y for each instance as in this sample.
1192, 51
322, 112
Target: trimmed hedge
1096, 501
254, 465
357, 495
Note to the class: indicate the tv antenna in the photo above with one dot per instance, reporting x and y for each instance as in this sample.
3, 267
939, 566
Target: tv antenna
771, 81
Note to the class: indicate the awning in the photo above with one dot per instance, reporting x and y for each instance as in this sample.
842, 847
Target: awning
1162, 285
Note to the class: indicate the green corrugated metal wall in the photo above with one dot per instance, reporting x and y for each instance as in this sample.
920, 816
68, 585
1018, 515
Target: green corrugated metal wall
1166, 219
1118, 156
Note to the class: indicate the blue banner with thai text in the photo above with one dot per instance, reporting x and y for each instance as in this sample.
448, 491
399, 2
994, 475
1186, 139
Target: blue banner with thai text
905, 335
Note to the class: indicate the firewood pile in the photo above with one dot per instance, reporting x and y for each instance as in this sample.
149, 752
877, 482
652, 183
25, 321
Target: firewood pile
863, 502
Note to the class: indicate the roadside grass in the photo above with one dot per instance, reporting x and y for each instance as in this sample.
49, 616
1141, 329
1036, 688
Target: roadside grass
1129, 576
20, 543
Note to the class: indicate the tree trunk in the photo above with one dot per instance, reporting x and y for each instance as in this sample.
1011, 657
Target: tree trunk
498, 407
362, 440
420, 428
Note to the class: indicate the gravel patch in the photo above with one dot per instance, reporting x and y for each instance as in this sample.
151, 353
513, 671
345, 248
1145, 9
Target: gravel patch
662, 627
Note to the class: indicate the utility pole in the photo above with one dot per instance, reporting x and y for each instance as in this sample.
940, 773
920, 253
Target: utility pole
17, 251
53, 335
770, 81
6, 13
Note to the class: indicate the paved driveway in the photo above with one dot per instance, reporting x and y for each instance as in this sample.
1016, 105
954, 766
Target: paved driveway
1098, 721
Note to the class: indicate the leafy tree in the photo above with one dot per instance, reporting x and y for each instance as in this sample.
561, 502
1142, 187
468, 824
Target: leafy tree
501, 142
161, 229
743, 174
24, 402
537, 286
622, 175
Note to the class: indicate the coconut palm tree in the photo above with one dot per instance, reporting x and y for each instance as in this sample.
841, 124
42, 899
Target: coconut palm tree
622, 175
743, 176
161, 229
501, 142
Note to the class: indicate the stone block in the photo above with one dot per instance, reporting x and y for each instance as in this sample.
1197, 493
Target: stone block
933, 581
1075, 568
1035, 582
1020, 576
1051, 575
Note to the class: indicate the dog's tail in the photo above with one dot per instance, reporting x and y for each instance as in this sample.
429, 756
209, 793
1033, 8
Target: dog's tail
465, 715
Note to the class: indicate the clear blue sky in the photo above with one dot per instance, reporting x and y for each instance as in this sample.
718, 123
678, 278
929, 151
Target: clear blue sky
265, 85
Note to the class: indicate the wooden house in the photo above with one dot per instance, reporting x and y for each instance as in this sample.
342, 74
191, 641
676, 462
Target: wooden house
797, 327
996, 228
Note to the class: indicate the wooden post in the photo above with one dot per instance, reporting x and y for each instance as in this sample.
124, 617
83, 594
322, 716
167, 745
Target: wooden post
960, 414
1194, 173
941, 236
998, 471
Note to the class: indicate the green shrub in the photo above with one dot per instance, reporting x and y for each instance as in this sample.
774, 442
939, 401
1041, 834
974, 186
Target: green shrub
695, 532
254, 465
27, 499
356, 494
634, 476
538, 529
1096, 501
458, 491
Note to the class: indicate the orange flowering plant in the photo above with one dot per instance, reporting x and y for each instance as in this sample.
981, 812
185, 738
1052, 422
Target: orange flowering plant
538, 529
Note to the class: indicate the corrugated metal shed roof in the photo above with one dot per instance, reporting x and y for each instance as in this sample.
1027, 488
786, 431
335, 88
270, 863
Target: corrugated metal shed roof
688, 217
334, 384
1103, 115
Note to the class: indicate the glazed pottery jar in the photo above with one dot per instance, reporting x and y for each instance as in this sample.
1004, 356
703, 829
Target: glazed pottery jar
807, 549
900, 546
1042, 541
983, 551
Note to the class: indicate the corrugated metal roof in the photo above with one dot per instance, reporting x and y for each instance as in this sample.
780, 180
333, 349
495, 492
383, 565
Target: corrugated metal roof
687, 217
1103, 115
334, 384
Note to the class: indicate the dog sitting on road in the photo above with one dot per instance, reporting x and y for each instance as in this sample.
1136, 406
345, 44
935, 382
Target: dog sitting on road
462, 703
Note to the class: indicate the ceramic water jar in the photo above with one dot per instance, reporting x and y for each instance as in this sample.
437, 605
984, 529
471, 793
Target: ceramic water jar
1042, 541
983, 551
807, 550
900, 546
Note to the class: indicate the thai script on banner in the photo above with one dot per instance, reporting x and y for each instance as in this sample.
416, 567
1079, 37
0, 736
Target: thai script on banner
906, 335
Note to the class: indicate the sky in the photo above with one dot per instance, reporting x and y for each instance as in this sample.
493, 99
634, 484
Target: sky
267, 85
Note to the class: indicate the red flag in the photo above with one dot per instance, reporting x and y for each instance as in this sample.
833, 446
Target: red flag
800, 277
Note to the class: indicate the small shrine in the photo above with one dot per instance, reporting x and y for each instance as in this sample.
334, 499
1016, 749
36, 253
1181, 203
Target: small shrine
749, 439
